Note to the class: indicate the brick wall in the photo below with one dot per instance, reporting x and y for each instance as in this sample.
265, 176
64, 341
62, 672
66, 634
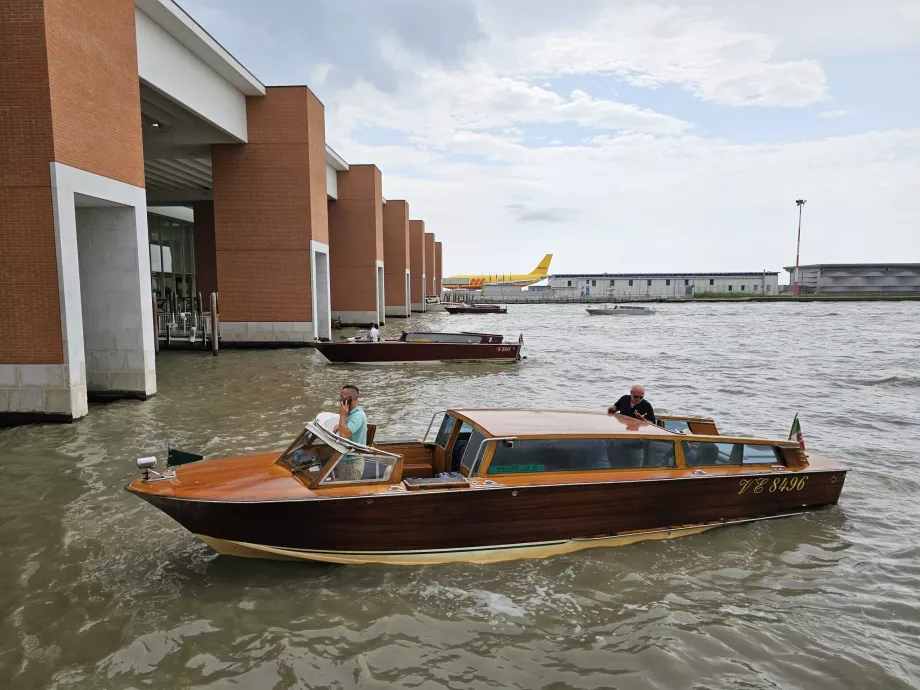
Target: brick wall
356, 239
68, 92
30, 317
205, 251
395, 251
26, 144
417, 259
266, 195
429, 263
95, 100
438, 274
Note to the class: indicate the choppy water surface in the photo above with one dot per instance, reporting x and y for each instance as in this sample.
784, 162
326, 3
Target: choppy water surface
98, 589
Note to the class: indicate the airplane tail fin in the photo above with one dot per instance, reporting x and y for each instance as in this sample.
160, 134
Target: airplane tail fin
543, 267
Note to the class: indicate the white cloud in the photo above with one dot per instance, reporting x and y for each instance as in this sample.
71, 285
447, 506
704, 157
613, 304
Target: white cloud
670, 203
834, 114
504, 165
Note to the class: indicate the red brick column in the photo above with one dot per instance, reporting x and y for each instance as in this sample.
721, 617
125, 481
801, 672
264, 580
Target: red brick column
205, 251
438, 275
270, 222
417, 264
356, 255
429, 265
68, 96
396, 257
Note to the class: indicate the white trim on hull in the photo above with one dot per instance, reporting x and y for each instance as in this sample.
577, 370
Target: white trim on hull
492, 554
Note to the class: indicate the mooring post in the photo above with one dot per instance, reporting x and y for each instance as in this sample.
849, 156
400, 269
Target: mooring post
215, 324
156, 326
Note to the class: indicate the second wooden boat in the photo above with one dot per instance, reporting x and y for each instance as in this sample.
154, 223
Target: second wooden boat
475, 309
415, 347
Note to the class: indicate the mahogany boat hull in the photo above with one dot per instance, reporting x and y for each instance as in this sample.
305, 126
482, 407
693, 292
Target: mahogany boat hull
401, 352
475, 310
494, 523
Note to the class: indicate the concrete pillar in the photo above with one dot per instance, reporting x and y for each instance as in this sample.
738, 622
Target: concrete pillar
438, 275
71, 162
417, 264
429, 265
356, 257
271, 230
396, 259
205, 250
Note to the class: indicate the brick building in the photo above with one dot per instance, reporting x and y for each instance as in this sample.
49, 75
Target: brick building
140, 163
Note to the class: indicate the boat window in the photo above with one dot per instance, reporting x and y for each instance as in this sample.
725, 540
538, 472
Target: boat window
563, 455
459, 448
707, 453
677, 425
358, 468
472, 448
627, 453
307, 451
447, 425
756, 455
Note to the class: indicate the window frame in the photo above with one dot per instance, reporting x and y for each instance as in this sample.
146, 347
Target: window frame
485, 463
778, 456
450, 431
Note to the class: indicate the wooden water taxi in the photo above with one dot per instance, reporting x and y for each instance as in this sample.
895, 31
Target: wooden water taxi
493, 485
475, 309
423, 347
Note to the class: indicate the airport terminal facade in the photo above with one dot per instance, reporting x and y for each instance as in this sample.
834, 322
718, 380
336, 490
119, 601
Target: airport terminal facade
644, 285
141, 163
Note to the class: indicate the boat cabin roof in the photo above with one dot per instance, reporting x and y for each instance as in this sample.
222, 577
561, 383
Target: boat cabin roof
554, 423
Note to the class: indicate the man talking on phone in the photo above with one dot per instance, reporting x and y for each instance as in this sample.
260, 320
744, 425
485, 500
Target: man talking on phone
352, 425
634, 405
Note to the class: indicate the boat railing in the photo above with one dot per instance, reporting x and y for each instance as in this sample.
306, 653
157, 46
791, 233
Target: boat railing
431, 424
478, 457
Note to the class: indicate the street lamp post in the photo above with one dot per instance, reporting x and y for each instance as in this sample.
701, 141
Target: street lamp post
795, 285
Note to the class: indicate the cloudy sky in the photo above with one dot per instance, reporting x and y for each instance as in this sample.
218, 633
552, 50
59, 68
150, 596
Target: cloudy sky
621, 136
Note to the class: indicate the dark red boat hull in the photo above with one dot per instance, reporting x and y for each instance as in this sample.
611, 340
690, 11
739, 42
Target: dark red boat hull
493, 516
399, 352
462, 309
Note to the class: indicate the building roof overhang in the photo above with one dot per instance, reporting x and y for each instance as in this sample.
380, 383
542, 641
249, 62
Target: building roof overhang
200, 43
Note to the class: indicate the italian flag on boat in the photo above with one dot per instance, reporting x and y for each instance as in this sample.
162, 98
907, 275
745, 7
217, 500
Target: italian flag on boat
796, 432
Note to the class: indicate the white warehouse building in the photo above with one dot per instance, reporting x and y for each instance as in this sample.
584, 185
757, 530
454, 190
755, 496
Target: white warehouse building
641, 285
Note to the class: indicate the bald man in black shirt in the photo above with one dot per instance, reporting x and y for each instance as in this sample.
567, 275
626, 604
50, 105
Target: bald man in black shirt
634, 405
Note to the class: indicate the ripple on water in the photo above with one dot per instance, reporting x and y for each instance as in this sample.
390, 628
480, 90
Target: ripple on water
103, 591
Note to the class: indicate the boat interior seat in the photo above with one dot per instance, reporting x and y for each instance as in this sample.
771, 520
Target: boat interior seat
376, 469
707, 454
371, 433
457, 453
623, 455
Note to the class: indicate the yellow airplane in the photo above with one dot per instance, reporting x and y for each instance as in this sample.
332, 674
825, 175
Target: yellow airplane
476, 282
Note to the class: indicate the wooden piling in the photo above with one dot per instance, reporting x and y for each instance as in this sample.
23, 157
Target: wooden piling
215, 324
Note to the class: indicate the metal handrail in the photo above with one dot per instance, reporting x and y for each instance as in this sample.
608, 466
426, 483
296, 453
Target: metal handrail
477, 459
431, 424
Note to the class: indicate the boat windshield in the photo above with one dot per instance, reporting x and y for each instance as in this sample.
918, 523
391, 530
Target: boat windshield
471, 452
360, 468
447, 425
308, 452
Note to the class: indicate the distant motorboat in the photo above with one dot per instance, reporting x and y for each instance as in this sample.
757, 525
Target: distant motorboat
621, 310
